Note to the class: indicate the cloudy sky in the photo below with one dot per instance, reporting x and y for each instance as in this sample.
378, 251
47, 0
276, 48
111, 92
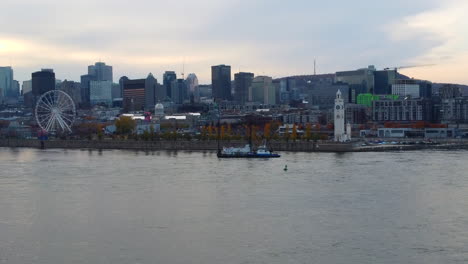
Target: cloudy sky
268, 37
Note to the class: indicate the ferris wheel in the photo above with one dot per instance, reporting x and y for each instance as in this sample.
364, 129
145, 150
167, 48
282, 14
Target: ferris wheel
55, 112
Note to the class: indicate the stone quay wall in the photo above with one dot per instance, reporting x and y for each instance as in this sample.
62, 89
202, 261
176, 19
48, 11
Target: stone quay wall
300, 146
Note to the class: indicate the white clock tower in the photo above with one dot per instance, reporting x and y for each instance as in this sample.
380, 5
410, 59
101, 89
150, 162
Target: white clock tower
340, 135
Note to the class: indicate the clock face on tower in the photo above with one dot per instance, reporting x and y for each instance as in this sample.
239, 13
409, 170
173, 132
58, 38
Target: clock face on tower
337, 107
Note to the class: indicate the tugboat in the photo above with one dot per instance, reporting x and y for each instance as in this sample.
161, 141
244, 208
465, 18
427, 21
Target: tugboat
245, 152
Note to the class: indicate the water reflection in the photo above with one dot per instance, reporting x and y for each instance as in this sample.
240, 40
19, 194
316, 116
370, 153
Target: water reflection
73, 206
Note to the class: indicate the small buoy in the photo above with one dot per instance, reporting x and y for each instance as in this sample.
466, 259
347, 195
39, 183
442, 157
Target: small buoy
285, 167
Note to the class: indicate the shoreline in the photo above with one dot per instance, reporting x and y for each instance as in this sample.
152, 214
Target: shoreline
183, 145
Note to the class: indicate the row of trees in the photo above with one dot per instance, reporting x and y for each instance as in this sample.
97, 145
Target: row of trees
125, 129
254, 132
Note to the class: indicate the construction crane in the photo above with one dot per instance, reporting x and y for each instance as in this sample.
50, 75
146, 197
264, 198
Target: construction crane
409, 66
183, 70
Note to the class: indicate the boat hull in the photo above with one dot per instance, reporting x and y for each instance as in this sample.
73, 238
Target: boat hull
248, 155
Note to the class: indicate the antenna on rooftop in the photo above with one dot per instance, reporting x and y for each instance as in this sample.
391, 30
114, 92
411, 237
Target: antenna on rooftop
315, 72
183, 68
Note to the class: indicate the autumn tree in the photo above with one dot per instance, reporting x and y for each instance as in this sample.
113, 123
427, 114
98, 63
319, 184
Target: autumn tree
223, 132
203, 132
210, 131
88, 129
229, 131
125, 125
274, 127
294, 132
254, 133
308, 133
247, 134
267, 131
286, 133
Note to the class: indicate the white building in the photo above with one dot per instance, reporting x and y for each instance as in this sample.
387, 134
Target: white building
159, 111
406, 89
192, 87
100, 92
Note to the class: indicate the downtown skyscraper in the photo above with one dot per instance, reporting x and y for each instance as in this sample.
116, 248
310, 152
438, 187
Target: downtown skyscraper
102, 71
221, 82
242, 83
99, 72
168, 78
6, 81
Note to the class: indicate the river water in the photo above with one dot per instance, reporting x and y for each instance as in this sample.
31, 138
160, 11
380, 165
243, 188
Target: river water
83, 206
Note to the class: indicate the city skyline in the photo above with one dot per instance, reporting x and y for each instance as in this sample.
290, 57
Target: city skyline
282, 40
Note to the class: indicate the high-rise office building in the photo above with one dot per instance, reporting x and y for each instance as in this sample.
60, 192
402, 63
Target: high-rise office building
205, 91
26, 87
97, 72
160, 93
242, 83
139, 94
178, 91
322, 95
42, 82
412, 87
406, 88
221, 82
359, 81
85, 86
168, 78
6, 81
100, 92
73, 89
26, 91
116, 92
14, 92
287, 88
383, 81
101, 71
192, 88
425, 89
122, 80
262, 90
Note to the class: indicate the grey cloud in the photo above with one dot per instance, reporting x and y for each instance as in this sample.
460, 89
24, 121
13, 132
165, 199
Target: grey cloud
270, 34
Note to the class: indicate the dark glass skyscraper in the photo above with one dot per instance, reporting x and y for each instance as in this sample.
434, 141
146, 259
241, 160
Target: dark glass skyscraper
179, 91
383, 81
242, 82
43, 81
168, 78
221, 82
85, 88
